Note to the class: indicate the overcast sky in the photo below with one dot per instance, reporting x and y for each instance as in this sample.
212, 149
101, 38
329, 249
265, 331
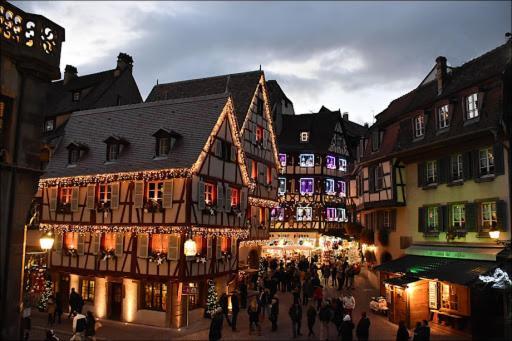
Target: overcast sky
355, 56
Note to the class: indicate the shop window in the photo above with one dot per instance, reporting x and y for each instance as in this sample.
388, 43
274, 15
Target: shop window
458, 216
109, 241
330, 162
304, 214
282, 186
159, 243
342, 164
449, 298
87, 289
486, 157
306, 186
209, 193
154, 296
489, 216
282, 160
329, 186
277, 213
456, 167
307, 160
155, 189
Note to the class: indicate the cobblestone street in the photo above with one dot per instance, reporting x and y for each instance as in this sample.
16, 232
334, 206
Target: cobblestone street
381, 328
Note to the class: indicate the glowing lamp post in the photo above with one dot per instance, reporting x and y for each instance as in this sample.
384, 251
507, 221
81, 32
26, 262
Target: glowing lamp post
190, 248
46, 241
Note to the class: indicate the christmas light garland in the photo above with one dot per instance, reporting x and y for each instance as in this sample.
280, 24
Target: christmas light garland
262, 202
249, 243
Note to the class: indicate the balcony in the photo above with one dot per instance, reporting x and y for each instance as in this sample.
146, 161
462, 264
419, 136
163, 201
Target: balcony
31, 37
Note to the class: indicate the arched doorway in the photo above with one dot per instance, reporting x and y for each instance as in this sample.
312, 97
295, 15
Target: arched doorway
253, 259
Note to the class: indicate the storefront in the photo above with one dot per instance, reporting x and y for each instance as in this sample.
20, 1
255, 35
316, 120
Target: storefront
292, 246
334, 248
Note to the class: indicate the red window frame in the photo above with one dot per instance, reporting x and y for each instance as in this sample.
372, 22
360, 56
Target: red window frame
259, 133
235, 197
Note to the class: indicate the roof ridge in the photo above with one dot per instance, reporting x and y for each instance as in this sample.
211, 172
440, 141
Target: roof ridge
150, 104
87, 75
204, 78
484, 55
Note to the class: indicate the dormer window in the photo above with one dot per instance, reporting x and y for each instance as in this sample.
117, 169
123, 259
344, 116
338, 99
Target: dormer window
113, 152
443, 117
419, 126
165, 141
76, 96
471, 106
304, 136
114, 144
49, 125
74, 152
163, 146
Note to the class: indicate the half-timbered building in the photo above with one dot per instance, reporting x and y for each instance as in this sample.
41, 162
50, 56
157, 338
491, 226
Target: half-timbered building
127, 193
315, 153
253, 111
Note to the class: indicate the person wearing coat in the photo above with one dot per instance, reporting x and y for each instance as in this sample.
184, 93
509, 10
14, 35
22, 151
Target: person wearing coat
295, 314
311, 315
74, 302
254, 316
90, 326
51, 307
318, 295
363, 328
216, 325
223, 302
243, 295
325, 316
346, 329
402, 333
235, 309
274, 313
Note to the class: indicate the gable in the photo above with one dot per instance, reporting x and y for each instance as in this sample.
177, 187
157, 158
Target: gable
338, 143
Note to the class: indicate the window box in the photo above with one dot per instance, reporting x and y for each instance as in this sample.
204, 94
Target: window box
158, 257
64, 207
153, 206
102, 206
107, 254
71, 252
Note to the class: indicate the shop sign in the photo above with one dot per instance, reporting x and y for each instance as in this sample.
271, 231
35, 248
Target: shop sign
432, 295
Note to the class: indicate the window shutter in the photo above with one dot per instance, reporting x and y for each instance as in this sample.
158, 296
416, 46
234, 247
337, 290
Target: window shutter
209, 241
218, 148
243, 199
173, 252
200, 195
114, 195
371, 179
499, 168
450, 113
421, 174
91, 196
233, 246
57, 246
466, 166
249, 167
443, 218
421, 219
392, 218
475, 166
95, 241
220, 197
480, 102
228, 199
167, 194
233, 153
464, 108
142, 245
470, 217
138, 195
443, 170
119, 244
218, 247
80, 245
75, 193
53, 198
501, 215
265, 138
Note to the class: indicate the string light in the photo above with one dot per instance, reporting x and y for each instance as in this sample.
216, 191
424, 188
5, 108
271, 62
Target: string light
262, 202
249, 243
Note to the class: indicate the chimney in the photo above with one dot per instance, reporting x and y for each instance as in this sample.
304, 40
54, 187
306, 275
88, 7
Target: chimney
441, 74
345, 116
123, 61
366, 125
70, 72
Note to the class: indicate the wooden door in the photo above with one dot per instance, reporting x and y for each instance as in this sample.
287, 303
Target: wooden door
116, 300
400, 305
64, 291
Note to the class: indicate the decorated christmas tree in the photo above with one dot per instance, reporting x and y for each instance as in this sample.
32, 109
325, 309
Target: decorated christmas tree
38, 285
261, 270
211, 301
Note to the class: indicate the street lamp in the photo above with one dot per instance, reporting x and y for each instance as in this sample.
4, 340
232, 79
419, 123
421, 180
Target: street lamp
46, 241
494, 234
190, 248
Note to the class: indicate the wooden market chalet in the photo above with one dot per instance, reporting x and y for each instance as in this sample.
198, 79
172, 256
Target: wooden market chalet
130, 185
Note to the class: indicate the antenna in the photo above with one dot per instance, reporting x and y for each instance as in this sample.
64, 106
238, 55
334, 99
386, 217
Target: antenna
157, 81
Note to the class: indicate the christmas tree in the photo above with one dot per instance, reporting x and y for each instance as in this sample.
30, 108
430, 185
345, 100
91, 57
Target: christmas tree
261, 270
211, 301
38, 285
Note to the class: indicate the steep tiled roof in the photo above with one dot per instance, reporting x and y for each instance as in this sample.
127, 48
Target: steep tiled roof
192, 118
275, 93
241, 86
93, 89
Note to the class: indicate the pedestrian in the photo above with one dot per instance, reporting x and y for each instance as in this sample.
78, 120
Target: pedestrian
263, 301
243, 294
326, 274
318, 295
235, 309
274, 313
324, 315
426, 331
223, 303
333, 275
254, 316
58, 307
338, 315
27, 321
402, 333
74, 302
295, 314
79, 327
216, 325
341, 277
351, 276
363, 328
349, 304
346, 329
50, 305
418, 332
90, 326
311, 315
296, 294
50, 336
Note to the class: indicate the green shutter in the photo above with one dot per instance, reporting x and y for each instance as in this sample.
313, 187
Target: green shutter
499, 167
421, 174
443, 170
501, 214
475, 166
470, 217
421, 219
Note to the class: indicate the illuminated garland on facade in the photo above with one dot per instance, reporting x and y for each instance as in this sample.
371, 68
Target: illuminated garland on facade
150, 229
253, 201
249, 243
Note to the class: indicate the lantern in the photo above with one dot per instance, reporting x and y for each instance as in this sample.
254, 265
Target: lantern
190, 248
494, 234
46, 241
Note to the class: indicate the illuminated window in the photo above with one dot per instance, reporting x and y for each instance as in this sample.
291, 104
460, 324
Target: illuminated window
277, 213
486, 161
155, 189
304, 214
87, 289
154, 296
431, 169
433, 218
159, 243
225, 244
488, 213
342, 164
304, 136
65, 195
269, 175
341, 214
458, 216
342, 190
254, 170
105, 193
419, 126
259, 134
109, 241
449, 299
282, 160
306, 186
235, 197
49, 125
307, 160
329, 186
71, 240
262, 216
331, 214
330, 162
442, 117
472, 106
282, 186
209, 193
456, 166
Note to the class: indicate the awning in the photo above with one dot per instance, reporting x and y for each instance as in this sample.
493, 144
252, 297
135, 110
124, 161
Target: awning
459, 252
445, 269
401, 281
